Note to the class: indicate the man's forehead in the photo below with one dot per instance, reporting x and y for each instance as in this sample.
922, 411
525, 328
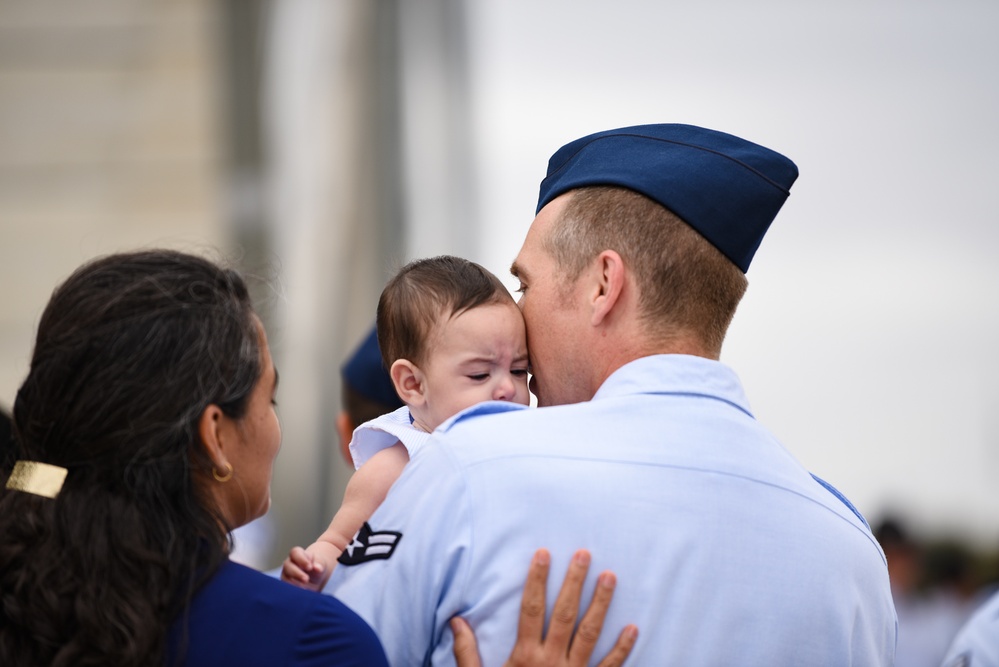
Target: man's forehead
524, 263
533, 246
517, 268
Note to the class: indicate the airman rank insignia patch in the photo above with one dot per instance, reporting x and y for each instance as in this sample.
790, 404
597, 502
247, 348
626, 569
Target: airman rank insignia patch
369, 545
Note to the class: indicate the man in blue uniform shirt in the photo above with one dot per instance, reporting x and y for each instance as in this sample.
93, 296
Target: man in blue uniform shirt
643, 450
977, 642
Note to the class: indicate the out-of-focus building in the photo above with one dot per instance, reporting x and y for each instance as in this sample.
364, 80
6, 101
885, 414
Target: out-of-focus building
108, 140
315, 145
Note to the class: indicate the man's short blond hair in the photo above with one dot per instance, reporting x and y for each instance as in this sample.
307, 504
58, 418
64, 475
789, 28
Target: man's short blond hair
686, 285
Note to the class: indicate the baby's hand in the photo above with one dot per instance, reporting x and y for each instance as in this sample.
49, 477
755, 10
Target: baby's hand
302, 569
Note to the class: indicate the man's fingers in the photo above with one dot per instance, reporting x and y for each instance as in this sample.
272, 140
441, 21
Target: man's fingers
466, 650
566, 608
533, 646
625, 642
532, 604
589, 628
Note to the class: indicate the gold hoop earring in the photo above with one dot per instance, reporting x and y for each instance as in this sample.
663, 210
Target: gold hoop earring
223, 478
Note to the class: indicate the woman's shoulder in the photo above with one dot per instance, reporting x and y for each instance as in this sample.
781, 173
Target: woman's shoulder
244, 617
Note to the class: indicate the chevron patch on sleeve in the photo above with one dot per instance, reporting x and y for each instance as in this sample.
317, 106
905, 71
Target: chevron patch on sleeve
369, 545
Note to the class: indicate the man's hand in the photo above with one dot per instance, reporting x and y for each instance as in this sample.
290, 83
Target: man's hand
565, 645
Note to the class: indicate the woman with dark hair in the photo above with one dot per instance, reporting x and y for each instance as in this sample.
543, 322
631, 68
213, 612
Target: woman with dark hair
151, 386
144, 433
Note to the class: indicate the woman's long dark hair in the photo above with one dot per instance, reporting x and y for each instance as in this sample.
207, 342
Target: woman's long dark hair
130, 351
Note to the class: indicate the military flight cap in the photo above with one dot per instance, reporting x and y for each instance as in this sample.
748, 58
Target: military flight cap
726, 188
366, 373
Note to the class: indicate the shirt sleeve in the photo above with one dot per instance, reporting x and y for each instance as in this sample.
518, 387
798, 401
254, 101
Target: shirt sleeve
411, 565
382, 432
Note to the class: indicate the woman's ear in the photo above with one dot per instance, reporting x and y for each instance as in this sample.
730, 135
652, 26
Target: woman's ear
211, 428
408, 380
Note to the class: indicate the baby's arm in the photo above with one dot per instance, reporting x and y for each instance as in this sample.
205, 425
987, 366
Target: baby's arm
367, 488
365, 491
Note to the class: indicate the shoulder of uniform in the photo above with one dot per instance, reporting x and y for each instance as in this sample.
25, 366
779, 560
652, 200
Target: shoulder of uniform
479, 410
843, 499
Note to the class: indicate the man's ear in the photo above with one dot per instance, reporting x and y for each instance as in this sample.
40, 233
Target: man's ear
609, 282
408, 380
211, 427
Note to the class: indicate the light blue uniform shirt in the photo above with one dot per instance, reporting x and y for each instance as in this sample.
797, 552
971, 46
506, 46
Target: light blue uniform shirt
977, 643
727, 551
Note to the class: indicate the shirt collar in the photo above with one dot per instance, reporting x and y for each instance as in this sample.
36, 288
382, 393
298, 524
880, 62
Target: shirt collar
676, 374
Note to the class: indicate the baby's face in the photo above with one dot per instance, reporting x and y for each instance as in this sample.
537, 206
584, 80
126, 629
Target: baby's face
479, 355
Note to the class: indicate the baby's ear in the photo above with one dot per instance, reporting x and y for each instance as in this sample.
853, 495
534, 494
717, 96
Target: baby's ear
408, 380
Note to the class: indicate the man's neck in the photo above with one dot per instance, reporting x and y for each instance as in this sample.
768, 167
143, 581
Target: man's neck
611, 358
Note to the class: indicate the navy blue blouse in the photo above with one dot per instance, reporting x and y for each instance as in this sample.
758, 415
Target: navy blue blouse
243, 617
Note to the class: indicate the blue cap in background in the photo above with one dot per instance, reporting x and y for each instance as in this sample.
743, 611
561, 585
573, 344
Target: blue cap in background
365, 372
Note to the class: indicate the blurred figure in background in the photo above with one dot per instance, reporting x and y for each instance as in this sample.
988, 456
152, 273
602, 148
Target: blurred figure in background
977, 642
932, 587
367, 391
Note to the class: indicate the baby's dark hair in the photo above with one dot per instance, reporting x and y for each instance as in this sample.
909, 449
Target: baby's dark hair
425, 292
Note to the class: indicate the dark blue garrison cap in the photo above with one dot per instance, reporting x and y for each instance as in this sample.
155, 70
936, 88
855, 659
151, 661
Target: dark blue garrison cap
365, 372
726, 188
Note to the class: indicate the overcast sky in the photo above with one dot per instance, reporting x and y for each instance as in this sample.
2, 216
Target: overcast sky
867, 340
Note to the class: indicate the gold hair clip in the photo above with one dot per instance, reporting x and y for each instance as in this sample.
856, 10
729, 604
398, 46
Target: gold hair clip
41, 479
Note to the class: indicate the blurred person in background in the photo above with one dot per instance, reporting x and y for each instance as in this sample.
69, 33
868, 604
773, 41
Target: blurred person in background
932, 589
977, 641
366, 391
